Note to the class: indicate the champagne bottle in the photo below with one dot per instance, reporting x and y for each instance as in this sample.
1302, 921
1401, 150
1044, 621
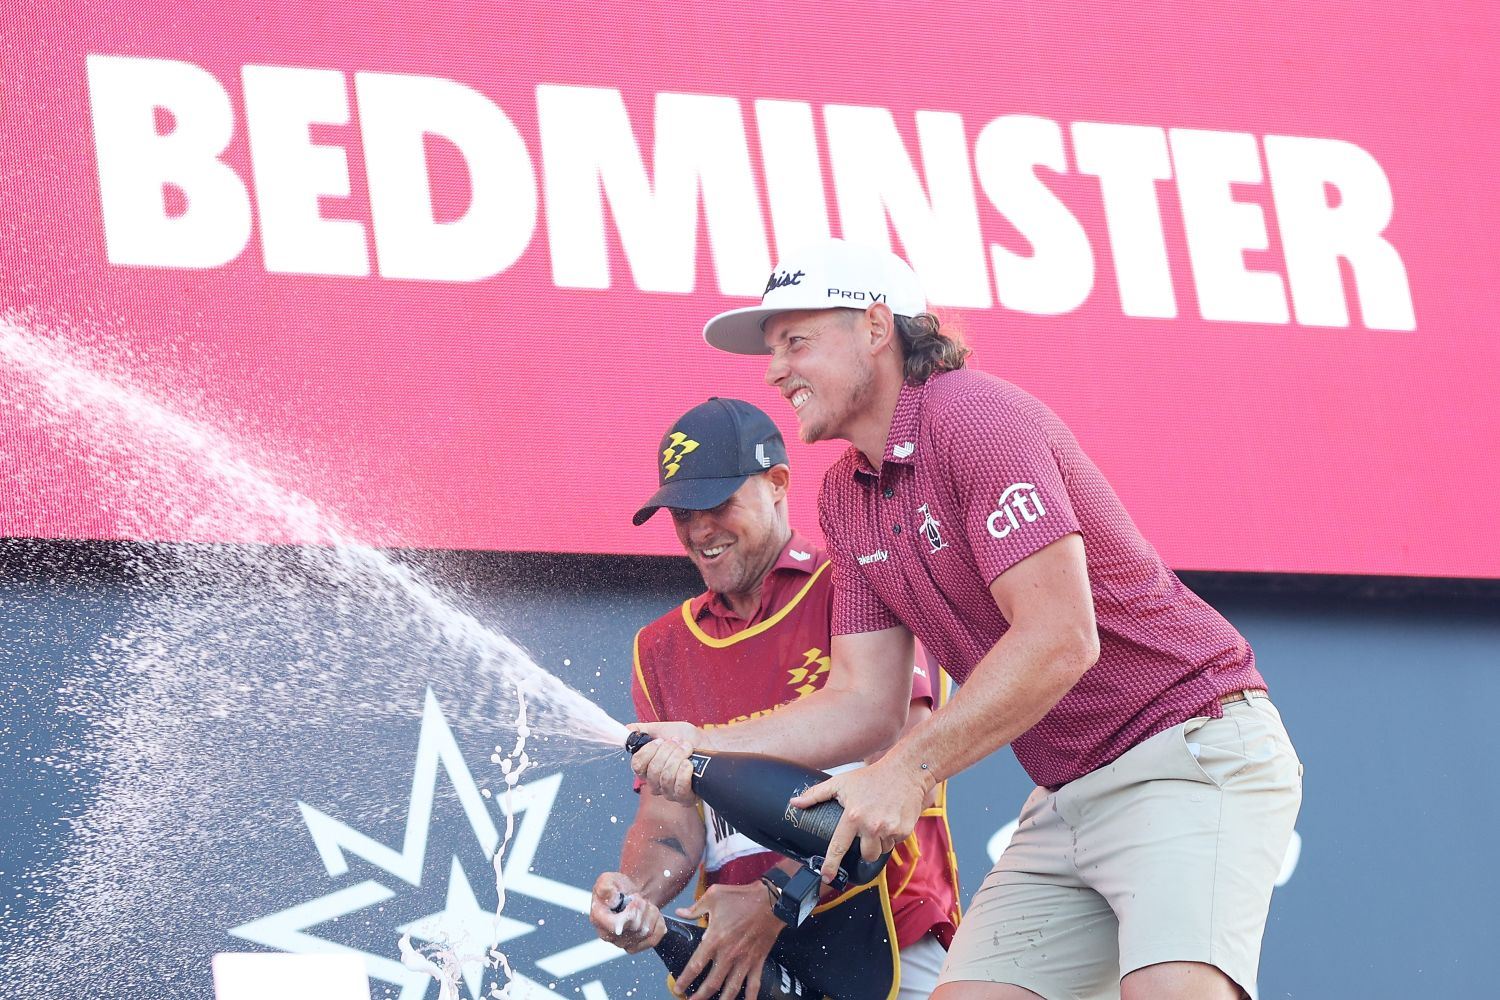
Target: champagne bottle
677, 945
752, 792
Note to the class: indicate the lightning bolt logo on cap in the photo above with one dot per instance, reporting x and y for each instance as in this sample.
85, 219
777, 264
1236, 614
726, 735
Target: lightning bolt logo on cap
671, 457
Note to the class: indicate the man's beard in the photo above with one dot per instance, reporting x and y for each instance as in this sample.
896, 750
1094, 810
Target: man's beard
829, 427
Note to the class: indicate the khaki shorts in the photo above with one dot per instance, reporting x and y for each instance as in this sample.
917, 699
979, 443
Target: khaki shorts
1166, 855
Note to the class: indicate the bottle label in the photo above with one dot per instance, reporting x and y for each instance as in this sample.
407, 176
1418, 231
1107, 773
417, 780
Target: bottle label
722, 842
823, 818
820, 821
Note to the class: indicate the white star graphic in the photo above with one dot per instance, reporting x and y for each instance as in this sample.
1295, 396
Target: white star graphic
467, 928
462, 921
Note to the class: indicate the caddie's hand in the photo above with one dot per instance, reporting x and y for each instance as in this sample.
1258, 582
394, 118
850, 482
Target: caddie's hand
636, 927
741, 931
882, 803
663, 763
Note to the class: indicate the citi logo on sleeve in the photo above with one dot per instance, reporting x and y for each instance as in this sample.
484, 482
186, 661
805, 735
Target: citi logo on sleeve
1020, 499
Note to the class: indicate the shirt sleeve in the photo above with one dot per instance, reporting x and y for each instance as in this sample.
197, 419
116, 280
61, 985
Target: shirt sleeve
856, 608
1005, 477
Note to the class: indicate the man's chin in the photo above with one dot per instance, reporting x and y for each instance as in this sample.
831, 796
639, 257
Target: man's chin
810, 433
719, 583
714, 576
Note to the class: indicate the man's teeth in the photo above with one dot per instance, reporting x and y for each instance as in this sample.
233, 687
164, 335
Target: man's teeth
710, 553
799, 397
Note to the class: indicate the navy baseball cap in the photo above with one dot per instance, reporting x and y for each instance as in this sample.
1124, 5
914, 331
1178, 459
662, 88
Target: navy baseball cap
709, 453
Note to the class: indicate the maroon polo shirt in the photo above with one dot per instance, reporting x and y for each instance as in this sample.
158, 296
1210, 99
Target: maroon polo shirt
978, 475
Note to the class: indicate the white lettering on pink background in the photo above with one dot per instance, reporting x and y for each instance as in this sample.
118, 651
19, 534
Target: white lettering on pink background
169, 198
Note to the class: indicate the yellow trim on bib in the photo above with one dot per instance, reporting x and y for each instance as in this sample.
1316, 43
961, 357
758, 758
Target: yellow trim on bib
879, 884
911, 869
754, 630
890, 933
945, 684
641, 677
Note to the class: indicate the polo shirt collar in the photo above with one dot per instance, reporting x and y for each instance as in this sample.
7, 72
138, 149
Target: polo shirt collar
796, 556
901, 439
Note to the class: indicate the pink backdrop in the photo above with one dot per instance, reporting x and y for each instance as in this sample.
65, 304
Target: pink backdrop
511, 413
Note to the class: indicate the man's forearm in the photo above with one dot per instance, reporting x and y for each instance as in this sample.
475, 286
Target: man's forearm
860, 709
1018, 681
827, 728
658, 862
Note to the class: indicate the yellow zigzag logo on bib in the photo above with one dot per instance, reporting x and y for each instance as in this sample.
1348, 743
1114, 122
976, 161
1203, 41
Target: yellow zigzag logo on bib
804, 677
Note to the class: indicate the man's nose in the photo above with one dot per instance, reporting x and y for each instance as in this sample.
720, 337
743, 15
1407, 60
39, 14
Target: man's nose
699, 524
776, 370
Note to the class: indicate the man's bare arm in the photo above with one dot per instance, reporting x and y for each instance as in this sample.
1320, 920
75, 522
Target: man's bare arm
662, 847
860, 710
1051, 642
661, 852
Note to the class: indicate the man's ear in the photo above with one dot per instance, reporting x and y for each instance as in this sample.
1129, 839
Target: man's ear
780, 478
882, 324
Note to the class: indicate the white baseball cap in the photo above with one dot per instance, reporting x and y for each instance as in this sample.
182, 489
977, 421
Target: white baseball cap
830, 274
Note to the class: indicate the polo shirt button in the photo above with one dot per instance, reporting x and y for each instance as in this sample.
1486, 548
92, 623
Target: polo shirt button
889, 493
896, 529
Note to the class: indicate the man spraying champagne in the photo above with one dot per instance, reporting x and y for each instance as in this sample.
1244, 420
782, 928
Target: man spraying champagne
754, 641
965, 513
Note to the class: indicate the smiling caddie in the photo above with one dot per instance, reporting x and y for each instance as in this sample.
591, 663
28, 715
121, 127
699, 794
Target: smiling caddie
754, 641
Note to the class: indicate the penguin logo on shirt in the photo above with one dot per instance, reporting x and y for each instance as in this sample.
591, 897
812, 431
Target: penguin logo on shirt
930, 529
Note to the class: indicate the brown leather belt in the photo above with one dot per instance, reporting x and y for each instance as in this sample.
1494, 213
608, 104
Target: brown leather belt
1245, 695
